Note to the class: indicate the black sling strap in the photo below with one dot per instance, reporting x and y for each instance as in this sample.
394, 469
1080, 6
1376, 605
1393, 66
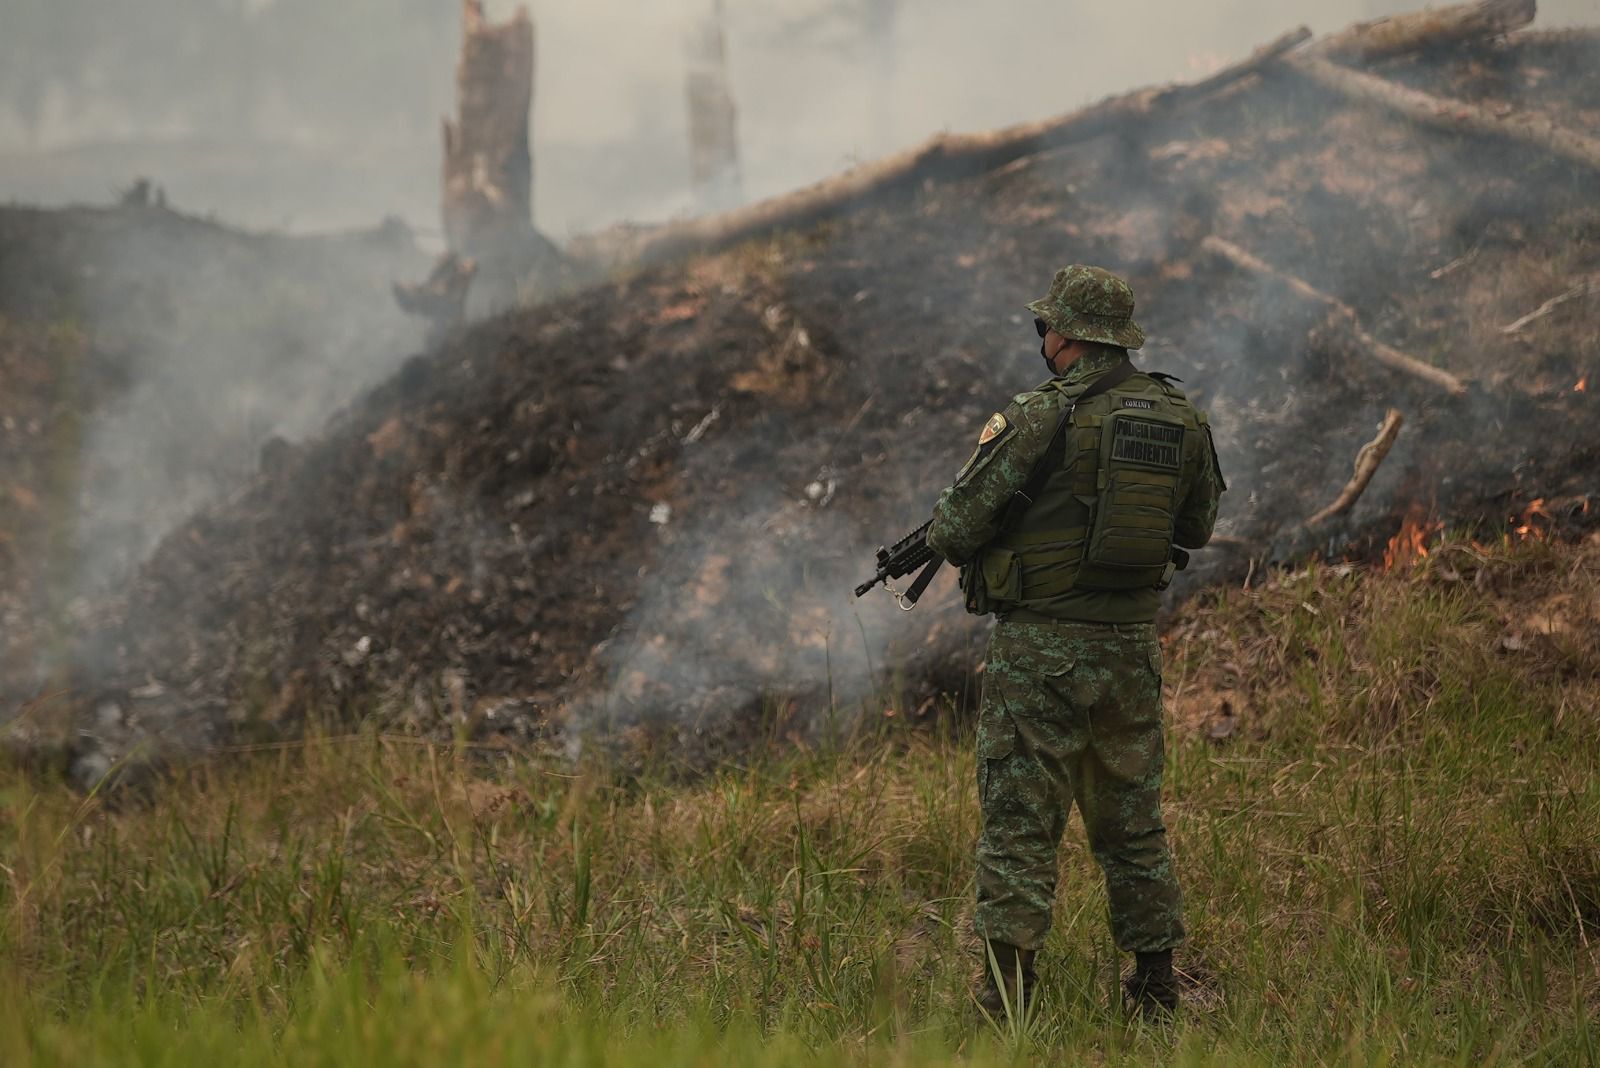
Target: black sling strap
1056, 450
914, 594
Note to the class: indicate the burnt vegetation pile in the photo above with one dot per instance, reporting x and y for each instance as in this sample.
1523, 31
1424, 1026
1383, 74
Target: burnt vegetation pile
649, 500
146, 358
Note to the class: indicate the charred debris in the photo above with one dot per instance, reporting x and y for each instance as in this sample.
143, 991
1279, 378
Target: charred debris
640, 509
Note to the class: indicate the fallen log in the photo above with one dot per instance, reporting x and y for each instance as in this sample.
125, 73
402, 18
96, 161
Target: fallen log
943, 157
1387, 355
1455, 116
1423, 30
1368, 460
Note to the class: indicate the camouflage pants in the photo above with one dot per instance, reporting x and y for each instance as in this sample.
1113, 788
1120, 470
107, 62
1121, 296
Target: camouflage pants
1072, 712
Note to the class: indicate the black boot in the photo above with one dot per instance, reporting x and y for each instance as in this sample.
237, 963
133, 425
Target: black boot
1151, 991
1008, 967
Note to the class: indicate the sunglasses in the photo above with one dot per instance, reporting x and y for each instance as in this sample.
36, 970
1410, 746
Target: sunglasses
1041, 326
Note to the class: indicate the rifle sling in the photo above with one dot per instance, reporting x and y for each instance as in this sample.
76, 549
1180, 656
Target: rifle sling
1042, 471
920, 586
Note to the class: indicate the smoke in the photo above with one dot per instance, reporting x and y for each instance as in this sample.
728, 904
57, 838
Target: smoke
746, 598
242, 342
1365, 222
315, 114
212, 353
746, 624
731, 618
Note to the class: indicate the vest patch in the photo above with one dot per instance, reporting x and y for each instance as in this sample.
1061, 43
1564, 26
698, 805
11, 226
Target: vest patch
1135, 402
1148, 444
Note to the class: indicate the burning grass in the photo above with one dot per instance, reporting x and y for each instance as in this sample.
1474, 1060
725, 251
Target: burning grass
1389, 855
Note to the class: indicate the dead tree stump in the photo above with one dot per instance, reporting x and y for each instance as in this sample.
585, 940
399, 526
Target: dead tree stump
713, 133
488, 162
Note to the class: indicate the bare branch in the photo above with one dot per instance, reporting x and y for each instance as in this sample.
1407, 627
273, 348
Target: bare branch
1582, 289
1385, 354
1368, 460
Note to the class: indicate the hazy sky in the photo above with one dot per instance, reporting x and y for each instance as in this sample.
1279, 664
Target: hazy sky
342, 116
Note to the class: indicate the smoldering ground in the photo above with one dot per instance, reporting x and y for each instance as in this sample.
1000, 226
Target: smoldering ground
1293, 397
563, 428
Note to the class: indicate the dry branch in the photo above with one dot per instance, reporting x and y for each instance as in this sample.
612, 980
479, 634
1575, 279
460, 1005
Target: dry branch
1464, 260
1368, 460
1422, 30
1582, 289
1456, 116
1384, 354
943, 157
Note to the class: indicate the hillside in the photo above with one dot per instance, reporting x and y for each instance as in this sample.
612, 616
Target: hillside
642, 507
507, 703
1380, 790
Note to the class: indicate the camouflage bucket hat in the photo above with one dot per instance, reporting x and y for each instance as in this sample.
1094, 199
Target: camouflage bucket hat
1090, 304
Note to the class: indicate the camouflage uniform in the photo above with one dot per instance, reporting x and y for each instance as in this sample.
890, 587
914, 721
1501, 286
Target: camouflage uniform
1071, 706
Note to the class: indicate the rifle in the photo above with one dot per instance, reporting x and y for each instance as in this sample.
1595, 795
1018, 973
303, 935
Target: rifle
899, 560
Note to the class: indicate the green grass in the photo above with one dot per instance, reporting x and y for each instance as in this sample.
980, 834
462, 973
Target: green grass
1393, 859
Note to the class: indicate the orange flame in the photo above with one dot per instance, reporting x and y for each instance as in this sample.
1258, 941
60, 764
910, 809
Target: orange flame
1528, 523
1583, 384
1411, 543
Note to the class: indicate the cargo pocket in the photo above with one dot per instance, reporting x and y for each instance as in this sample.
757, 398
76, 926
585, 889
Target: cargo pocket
1002, 576
1019, 651
997, 741
1157, 700
1039, 676
1055, 662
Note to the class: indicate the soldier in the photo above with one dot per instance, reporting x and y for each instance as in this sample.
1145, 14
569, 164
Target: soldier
1065, 522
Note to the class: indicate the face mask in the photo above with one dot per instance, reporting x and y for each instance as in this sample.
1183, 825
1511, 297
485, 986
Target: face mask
1043, 328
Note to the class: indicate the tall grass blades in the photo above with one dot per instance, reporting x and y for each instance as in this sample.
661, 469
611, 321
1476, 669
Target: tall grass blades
1388, 855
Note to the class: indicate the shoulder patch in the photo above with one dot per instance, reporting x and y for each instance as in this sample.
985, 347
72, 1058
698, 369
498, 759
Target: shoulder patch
992, 429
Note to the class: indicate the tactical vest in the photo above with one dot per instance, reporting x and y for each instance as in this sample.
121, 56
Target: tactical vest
1101, 525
